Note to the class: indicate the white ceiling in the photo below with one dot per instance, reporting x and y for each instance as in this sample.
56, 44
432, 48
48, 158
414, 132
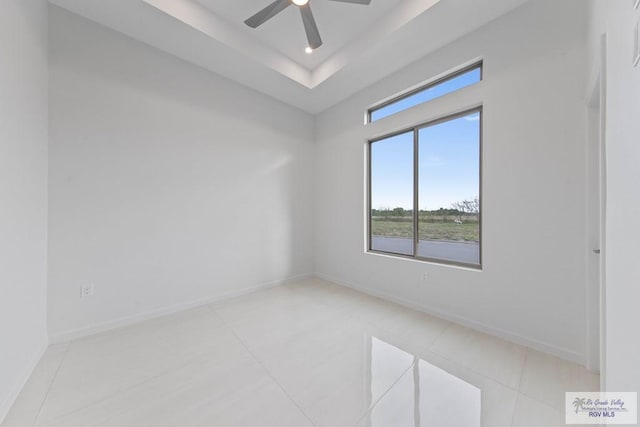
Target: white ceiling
358, 40
339, 24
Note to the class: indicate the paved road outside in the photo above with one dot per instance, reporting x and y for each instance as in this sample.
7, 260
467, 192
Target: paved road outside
452, 251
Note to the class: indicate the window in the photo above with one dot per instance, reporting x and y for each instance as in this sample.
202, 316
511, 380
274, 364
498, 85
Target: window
424, 191
448, 84
392, 175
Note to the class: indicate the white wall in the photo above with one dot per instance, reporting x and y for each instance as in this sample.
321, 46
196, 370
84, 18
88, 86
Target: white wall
623, 206
168, 185
23, 192
532, 287
617, 20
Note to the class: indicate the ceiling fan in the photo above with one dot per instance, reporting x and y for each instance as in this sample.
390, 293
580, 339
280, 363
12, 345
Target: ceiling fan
310, 27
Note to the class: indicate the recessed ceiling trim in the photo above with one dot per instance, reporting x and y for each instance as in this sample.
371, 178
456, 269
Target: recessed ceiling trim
201, 19
204, 20
396, 19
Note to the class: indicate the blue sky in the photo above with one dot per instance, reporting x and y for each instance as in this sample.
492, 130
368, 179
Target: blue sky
448, 166
463, 80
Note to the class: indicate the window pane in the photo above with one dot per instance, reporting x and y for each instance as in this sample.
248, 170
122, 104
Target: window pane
392, 194
437, 90
449, 189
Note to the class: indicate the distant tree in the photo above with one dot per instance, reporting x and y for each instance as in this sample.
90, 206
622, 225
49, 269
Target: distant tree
382, 211
466, 207
398, 212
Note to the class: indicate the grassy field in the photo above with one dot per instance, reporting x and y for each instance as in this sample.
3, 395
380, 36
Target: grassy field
427, 230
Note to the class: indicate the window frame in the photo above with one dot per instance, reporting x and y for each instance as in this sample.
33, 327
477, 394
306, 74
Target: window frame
449, 76
416, 143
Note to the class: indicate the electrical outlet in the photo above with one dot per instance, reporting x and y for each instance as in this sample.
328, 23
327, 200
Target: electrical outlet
86, 291
425, 277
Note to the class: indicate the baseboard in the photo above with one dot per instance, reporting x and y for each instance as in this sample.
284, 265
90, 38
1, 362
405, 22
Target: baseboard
557, 351
6, 406
96, 328
543, 347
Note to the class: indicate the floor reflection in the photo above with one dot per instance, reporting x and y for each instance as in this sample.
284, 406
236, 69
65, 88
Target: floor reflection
424, 396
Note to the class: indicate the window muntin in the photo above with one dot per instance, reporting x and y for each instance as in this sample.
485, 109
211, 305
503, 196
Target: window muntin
444, 86
444, 221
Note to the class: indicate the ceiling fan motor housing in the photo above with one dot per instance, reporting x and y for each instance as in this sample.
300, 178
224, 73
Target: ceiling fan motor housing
310, 26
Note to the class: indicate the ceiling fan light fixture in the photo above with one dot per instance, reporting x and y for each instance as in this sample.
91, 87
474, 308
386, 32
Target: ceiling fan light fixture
309, 22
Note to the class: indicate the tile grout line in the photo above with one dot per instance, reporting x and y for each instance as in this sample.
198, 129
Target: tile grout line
524, 363
212, 311
428, 349
474, 371
53, 380
482, 374
125, 389
537, 400
262, 366
347, 315
350, 314
382, 396
515, 407
444, 330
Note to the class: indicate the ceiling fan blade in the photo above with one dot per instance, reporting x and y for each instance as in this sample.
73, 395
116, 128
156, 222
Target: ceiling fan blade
310, 27
267, 13
365, 2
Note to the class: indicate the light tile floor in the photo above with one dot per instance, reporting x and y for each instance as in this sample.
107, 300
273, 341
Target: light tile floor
305, 354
